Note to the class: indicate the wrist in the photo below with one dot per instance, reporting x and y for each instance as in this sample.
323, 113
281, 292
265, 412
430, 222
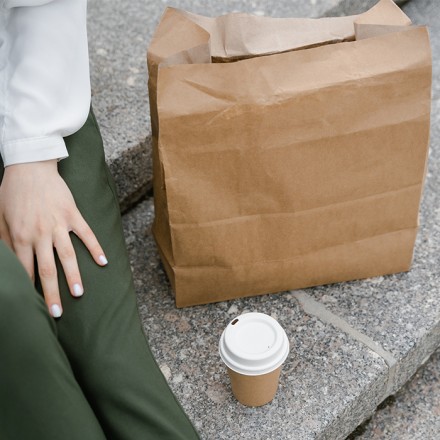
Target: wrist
44, 165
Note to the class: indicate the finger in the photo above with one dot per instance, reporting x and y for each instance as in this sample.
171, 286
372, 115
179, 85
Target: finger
26, 255
48, 277
85, 233
5, 235
67, 256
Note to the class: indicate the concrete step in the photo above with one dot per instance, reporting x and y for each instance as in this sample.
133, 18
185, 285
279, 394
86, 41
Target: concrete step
413, 413
119, 33
352, 344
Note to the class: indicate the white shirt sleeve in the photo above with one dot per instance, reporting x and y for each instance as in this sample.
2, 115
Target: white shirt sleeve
44, 77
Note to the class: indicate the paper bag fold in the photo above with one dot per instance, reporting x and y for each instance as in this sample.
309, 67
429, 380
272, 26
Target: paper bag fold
300, 163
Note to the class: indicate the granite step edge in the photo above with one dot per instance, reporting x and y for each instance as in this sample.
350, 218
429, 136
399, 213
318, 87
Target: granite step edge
406, 368
132, 171
400, 369
410, 414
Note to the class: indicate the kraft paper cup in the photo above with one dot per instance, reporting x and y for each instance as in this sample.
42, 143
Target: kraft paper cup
253, 347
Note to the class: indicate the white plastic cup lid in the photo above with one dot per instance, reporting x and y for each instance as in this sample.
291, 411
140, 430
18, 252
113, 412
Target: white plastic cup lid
253, 344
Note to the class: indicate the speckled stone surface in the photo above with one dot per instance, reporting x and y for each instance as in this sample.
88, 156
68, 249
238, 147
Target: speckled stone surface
119, 34
428, 12
331, 381
352, 7
328, 384
413, 413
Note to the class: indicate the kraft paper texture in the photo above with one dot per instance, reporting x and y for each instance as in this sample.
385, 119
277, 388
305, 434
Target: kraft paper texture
254, 390
287, 152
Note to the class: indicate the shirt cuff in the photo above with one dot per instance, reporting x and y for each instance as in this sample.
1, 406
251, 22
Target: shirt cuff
34, 150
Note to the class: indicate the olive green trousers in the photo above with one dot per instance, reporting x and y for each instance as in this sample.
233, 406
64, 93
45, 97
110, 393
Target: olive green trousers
88, 375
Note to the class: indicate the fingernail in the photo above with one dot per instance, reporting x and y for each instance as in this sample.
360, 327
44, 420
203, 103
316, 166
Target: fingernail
77, 290
55, 309
102, 259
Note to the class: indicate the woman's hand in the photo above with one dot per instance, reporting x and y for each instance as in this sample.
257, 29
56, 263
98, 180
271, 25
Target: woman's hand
37, 211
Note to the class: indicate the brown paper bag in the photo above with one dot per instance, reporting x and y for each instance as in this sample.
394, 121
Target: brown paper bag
287, 152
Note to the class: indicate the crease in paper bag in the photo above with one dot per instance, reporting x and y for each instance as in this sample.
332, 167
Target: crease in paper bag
361, 29
299, 256
241, 218
238, 36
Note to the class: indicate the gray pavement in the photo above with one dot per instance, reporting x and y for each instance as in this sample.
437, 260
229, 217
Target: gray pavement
351, 343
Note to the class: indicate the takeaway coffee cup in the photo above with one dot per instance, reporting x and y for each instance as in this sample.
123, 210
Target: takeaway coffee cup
254, 346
